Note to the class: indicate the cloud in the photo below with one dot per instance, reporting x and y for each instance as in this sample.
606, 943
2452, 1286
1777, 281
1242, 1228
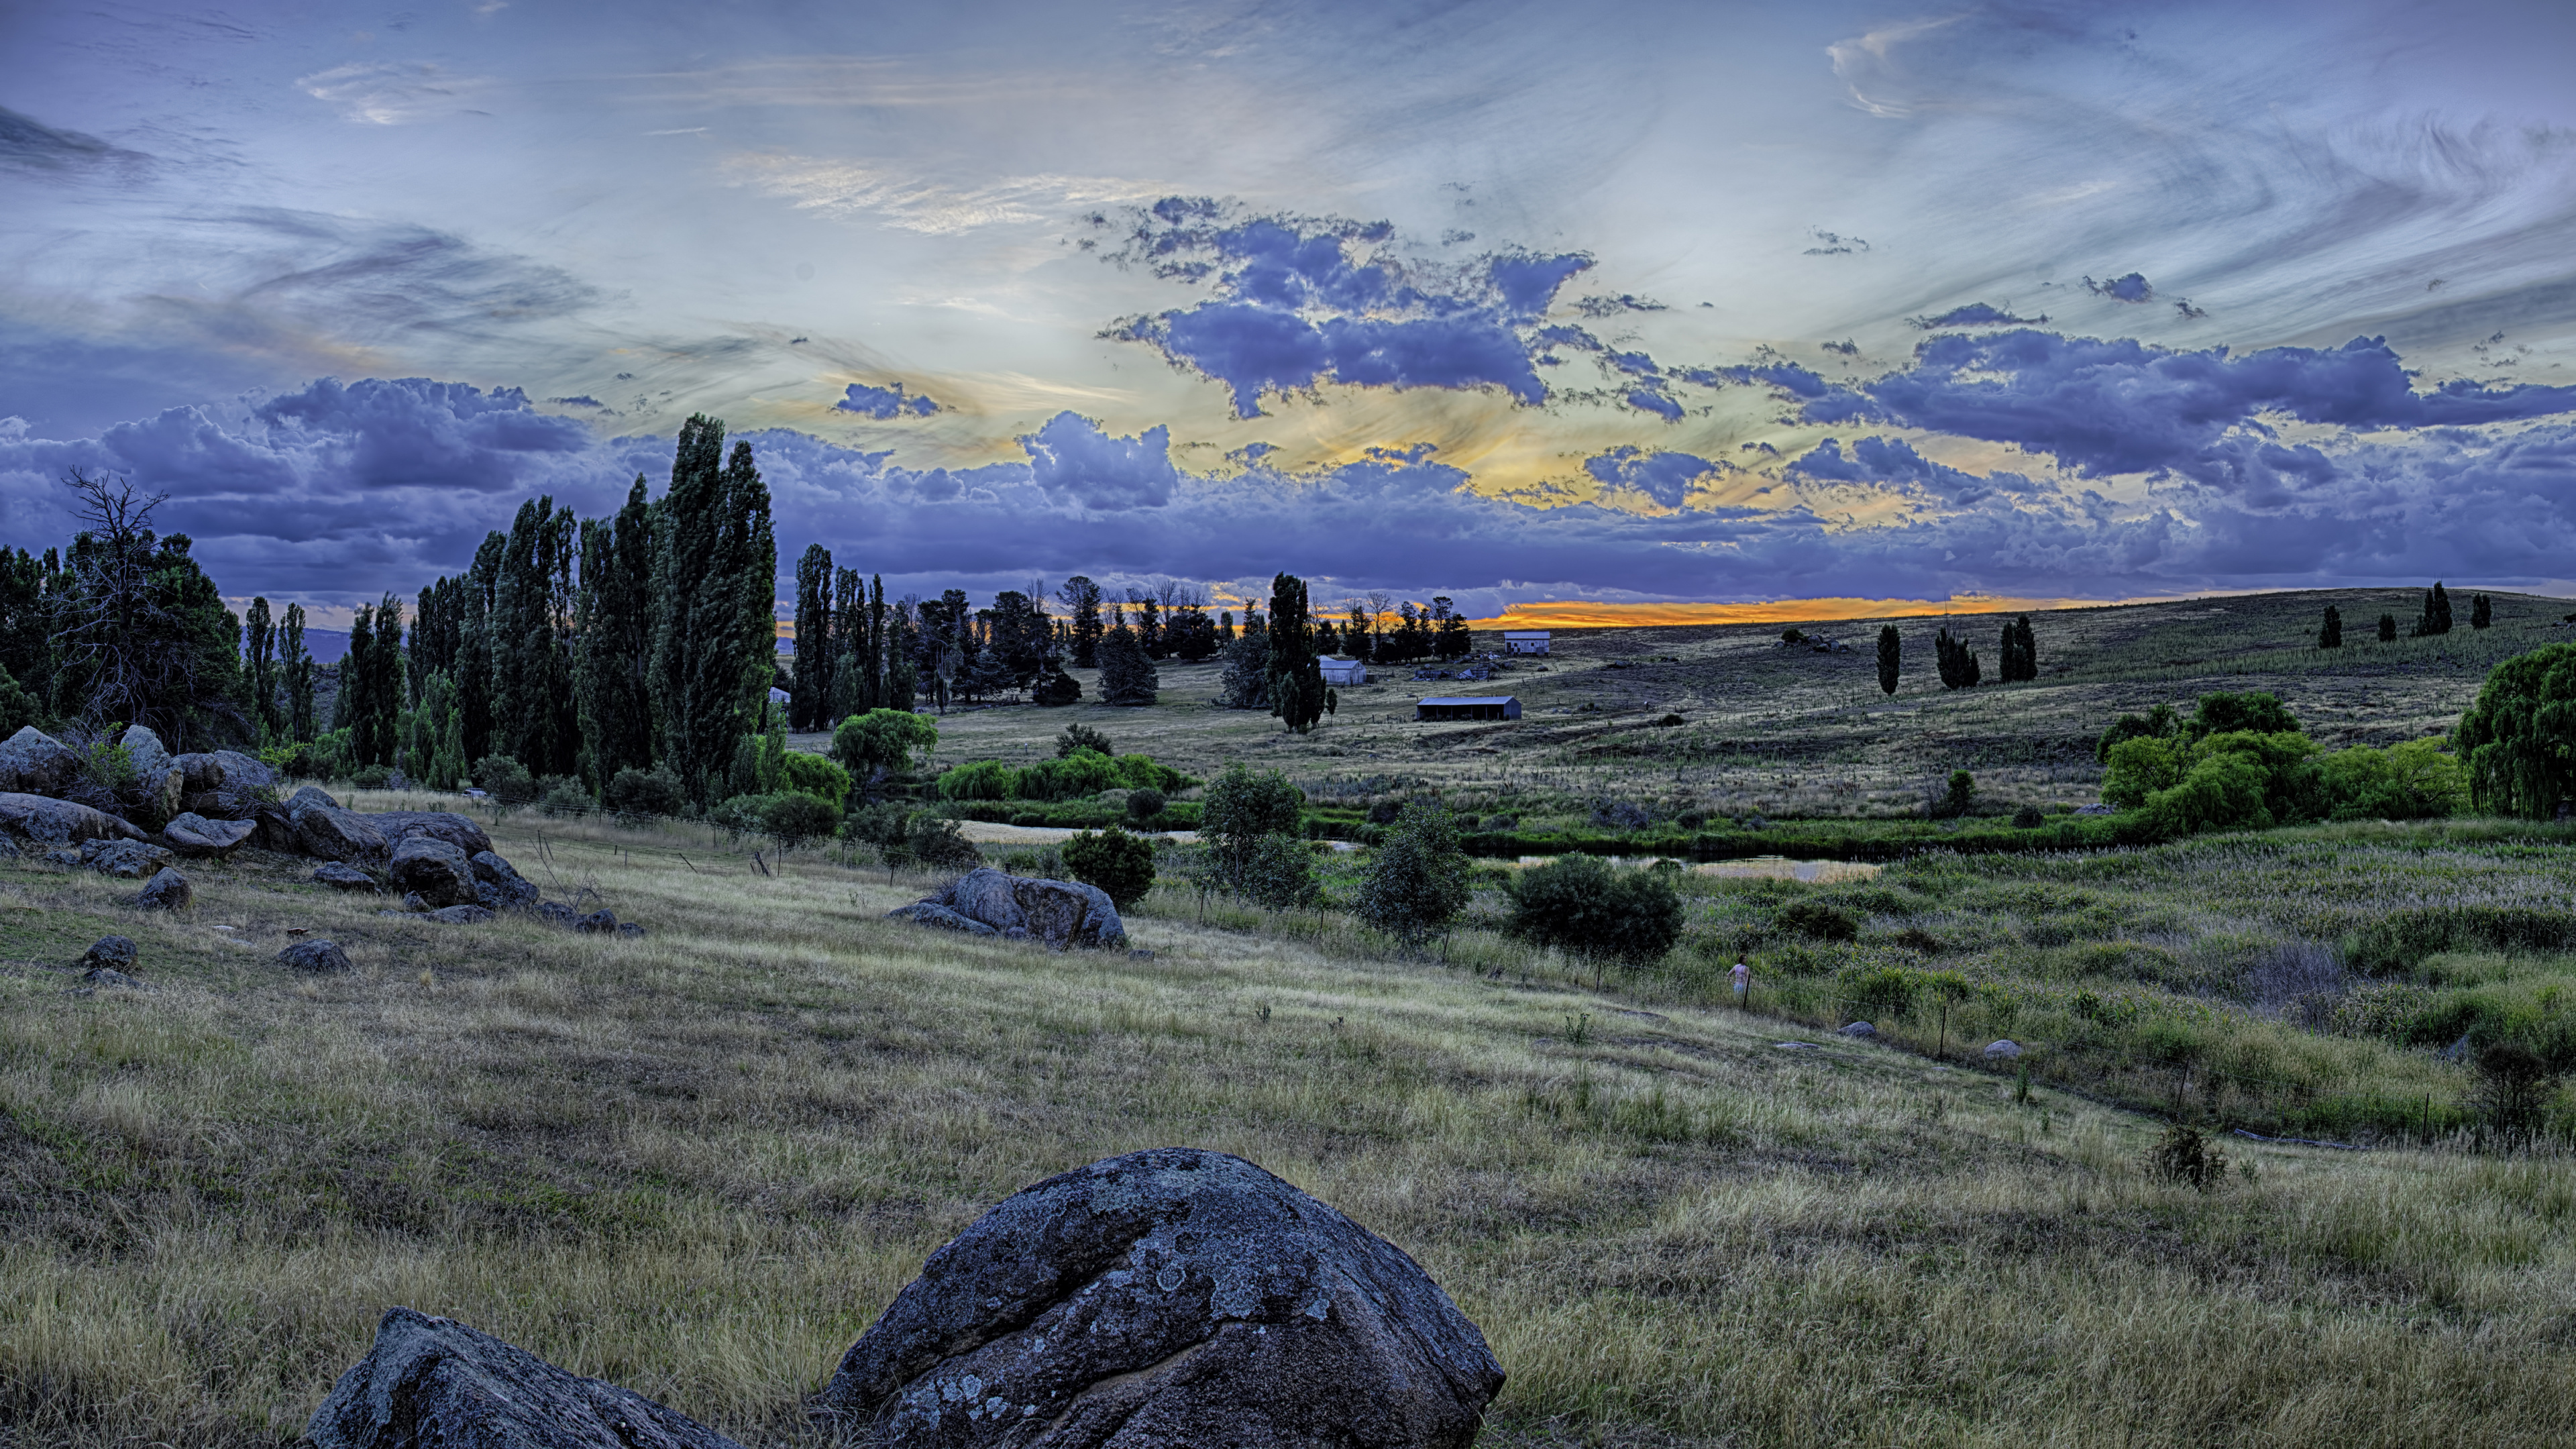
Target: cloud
1975, 314
377, 94
578, 402
911, 200
884, 403
28, 144
1301, 302
1894, 463
1613, 306
2131, 288
1664, 477
1074, 462
1829, 244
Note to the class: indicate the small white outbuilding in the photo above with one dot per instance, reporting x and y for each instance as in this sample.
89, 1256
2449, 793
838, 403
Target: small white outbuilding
1343, 673
1525, 641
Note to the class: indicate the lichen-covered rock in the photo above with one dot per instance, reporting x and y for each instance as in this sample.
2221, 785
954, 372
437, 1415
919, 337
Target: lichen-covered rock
315, 957
455, 829
113, 953
630, 930
2002, 1051
556, 913
168, 890
1168, 1298
35, 763
433, 1383
158, 781
124, 859
192, 834
105, 976
434, 870
322, 828
498, 883
932, 913
601, 922
59, 822
341, 877
467, 915
1058, 912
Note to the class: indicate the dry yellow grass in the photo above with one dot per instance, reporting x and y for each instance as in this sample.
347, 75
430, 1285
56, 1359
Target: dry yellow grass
699, 1163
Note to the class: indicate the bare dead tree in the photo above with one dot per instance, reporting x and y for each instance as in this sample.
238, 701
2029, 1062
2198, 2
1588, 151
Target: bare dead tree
110, 610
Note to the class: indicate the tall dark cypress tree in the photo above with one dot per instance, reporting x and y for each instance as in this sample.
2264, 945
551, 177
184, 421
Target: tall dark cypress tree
1891, 652
477, 667
2330, 632
348, 705
714, 579
1296, 674
1081, 597
2481, 612
295, 674
259, 642
613, 645
534, 717
383, 696
811, 702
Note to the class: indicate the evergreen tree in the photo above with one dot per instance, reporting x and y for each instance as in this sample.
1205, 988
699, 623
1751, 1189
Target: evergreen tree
1418, 879
1126, 675
1225, 626
2436, 618
348, 702
140, 633
2020, 652
1890, 654
1956, 662
475, 665
613, 645
1450, 637
1148, 624
811, 702
1192, 634
2388, 628
382, 696
715, 566
2330, 633
26, 618
1296, 675
535, 715
259, 642
295, 674
2481, 613
1247, 667
1020, 634
1081, 597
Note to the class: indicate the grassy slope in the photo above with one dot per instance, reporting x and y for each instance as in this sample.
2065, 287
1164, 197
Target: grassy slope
1790, 733
698, 1164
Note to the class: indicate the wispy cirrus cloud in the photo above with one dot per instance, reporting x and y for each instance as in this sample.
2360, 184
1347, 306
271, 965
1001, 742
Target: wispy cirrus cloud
916, 201
378, 94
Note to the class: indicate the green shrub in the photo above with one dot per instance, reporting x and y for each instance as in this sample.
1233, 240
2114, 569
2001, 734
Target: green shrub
2184, 1155
1580, 905
1079, 737
1144, 803
1872, 993
640, 794
1417, 880
1817, 921
566, 798
792, 817
505, 780
2411, 781
978, 780
1120, 864
813, 775
2400, 940
882, 740
1067, 777
372, 777
2141, 765
2221, 792
1044, 862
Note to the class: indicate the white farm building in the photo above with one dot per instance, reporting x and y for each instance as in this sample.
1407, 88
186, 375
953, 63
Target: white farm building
1342, 673
1525, 641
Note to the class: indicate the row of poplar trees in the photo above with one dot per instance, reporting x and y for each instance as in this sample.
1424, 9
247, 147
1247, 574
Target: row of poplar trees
585, 646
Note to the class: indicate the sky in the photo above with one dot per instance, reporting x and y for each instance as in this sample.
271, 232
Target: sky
1591, 306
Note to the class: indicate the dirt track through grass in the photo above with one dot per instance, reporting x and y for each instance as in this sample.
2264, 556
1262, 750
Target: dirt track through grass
699, 1163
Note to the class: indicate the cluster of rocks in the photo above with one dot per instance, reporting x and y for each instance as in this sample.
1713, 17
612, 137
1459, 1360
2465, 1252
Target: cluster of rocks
988, 902
1172, 1297
438, 863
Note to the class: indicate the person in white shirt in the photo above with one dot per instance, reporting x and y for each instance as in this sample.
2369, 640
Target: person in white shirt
1743, 975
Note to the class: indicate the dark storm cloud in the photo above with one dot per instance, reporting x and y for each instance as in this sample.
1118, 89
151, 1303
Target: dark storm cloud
1893, 463
1299, 302
1663, 477
28, 144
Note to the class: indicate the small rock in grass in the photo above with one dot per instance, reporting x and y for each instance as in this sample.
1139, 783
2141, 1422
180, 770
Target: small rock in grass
167, 891
103, 976
124, 859
1141, 954
434, 1381
630, 929
2002, 1051
556, 913
112, 953
1859, 1029
316, 957
598, 923
341, 877
461, 915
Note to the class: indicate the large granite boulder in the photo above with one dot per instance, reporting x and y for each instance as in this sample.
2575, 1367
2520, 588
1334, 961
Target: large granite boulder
433, 870
1168, 1298
158, 781
224, 784
322, 828
457, 830
932, 913
59, 822
123, 859
168, 890
112, 953
343, 877
192, 834
1058, 912
433, 1383
499, 885
35, 763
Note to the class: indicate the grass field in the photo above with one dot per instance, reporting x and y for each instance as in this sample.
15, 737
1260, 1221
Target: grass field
699, 1163
1786, 732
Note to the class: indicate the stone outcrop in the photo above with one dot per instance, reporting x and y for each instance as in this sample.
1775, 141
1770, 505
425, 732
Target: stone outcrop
322, 828
343, 877
168, 890
499, 885
1060, 913
192, 834
465, 915
112, 953
455, 829
601, 922
433, 870
59, 822
158, 780
224, 784
315, 957
124, 859
35, 763
435, 1382
1168, 1298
